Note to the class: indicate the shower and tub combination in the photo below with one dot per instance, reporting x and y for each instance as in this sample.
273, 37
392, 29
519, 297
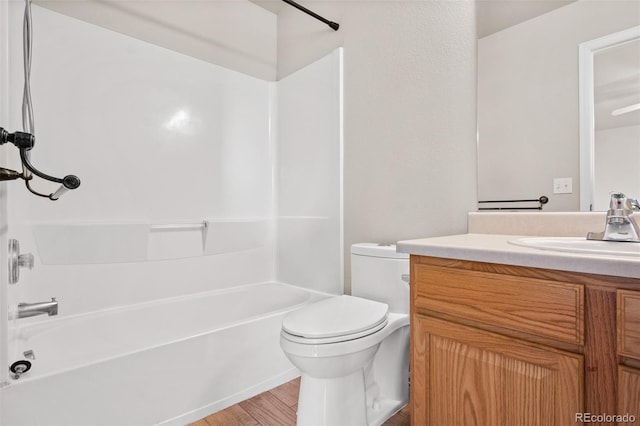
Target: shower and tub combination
164, 362
207, 212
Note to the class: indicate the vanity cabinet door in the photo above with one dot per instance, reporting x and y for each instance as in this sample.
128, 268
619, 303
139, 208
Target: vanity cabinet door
629, 392
466, 376
629, 323
629, 346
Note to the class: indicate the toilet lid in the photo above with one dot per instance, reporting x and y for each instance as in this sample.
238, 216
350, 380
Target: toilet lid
334, 317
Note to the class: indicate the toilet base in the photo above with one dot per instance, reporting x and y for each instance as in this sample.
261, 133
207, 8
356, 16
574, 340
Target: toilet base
383, 411
341, 401
332, 401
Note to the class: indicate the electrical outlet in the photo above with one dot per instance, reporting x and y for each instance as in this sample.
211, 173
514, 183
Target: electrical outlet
562, 185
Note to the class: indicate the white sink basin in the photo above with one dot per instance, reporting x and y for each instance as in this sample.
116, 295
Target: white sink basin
579, 245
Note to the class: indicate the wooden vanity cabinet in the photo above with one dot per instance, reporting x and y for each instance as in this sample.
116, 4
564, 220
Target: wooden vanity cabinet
505, 345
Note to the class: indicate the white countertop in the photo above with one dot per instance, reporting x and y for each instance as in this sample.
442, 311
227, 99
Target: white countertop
494, 248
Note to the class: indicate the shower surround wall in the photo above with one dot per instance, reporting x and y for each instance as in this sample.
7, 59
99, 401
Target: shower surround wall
310, 176
160, 138
156, 137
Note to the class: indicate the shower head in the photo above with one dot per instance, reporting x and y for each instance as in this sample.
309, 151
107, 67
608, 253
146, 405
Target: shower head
69, 182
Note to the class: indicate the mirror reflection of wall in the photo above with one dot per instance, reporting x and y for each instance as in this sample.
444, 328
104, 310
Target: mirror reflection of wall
528, 100
617, 123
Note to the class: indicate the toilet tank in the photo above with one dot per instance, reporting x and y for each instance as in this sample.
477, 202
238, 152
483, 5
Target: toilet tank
379, 273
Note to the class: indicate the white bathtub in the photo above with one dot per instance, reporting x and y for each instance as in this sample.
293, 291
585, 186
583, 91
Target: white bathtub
168, 362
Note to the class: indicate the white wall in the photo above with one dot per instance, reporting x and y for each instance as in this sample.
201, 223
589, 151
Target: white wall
156, 137
528, 117
409, 111
617, 153
310, 176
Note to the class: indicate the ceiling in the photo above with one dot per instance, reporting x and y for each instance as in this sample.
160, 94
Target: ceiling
491, 15
495, 15
273, 6
234, 34
180, 25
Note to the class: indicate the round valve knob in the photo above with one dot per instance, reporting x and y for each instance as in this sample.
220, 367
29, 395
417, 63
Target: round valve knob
26, 260
17, 261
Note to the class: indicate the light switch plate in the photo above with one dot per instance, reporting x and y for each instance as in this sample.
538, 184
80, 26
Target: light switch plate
562, 185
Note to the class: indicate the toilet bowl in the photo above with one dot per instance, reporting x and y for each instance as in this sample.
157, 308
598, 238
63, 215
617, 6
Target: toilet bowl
352, 352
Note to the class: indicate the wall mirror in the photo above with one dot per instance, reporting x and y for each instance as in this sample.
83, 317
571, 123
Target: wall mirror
609, 118
529, 127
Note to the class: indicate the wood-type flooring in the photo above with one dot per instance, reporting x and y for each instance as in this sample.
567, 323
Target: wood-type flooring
276, 407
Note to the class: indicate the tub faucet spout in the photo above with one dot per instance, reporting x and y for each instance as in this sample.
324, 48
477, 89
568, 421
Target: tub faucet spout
619, 225
26, 310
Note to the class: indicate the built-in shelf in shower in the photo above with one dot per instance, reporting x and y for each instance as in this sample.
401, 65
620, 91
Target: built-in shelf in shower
73, 244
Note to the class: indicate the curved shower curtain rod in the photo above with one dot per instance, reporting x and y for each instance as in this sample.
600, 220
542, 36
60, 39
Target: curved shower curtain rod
333, 25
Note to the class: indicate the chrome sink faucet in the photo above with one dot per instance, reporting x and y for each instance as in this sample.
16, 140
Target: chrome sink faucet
26, 310
619, 225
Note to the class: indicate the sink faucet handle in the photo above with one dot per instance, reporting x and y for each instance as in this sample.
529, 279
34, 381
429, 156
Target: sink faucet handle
619, 225
619, 201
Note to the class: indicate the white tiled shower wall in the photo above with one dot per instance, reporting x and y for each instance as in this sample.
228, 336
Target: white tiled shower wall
159, 137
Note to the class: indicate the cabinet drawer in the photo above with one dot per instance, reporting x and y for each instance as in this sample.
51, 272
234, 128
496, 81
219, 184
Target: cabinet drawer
537, 306
629, 323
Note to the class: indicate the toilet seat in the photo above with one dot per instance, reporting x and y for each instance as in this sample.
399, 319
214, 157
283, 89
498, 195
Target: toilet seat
336, 319
304, 348
337, 339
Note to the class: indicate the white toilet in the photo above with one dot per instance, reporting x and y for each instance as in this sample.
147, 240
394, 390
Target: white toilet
353, 351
